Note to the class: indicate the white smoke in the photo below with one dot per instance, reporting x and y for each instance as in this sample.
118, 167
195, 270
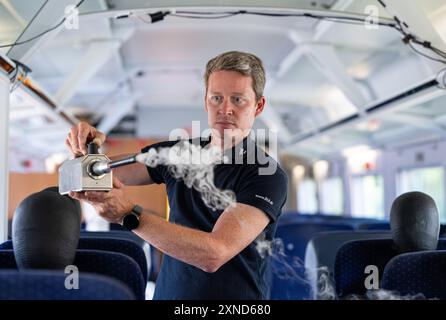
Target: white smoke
195, 165
325, 284
295, 270
264, 247
325, 290
382, 294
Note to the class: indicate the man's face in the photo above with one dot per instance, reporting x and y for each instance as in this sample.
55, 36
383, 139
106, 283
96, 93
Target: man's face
231, 103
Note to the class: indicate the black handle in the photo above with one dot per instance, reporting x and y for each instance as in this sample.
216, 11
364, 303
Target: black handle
93, 148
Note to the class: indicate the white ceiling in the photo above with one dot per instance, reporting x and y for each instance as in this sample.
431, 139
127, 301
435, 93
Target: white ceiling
318, 72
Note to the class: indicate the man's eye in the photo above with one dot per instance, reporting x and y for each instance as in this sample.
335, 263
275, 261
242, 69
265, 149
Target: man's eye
216, 99
237, 100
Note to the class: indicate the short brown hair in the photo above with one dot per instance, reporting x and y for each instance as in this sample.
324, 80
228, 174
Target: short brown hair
244, 63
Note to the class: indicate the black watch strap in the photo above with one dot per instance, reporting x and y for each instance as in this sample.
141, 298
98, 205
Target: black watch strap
131, 220
137, 210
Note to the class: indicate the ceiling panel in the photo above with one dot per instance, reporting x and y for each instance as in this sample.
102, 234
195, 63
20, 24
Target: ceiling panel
14, 17
175, 46
431, 109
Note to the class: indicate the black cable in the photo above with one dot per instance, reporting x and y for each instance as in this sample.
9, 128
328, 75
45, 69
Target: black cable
202, 17
217, 15
439, 52
208, 15
345, 22
40, 34
339, 19
398, 25
183, 15
33, 38
425, 55
409, 38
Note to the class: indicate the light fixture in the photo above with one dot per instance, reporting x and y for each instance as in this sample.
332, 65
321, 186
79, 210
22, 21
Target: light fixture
336, 104
360, 158
298, 172
320, 169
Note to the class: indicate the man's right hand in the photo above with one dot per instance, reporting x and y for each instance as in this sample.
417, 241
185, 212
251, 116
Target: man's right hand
80, 135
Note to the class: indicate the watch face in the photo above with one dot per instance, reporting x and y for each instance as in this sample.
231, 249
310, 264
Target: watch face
130, 221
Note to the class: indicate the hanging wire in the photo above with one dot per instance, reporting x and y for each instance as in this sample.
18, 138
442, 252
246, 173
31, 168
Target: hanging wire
40, 34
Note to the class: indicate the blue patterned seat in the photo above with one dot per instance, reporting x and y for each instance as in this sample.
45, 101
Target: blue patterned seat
352, 259
417, 273
149, 251
374, 226
354, 256
50, 285
321, 252
112, 264
115, 265
288, 274
124, 246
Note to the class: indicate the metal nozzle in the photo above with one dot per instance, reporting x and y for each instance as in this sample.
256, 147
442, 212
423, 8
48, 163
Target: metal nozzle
98, 168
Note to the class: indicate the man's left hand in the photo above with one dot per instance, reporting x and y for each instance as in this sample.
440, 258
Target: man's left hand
112, 205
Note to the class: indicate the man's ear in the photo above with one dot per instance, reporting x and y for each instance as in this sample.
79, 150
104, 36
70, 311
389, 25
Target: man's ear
260, 105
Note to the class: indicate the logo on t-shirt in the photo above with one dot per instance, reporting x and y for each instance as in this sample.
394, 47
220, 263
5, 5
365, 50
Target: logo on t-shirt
266, 199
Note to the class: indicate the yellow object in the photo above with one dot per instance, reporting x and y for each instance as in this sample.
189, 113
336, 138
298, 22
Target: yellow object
167, 209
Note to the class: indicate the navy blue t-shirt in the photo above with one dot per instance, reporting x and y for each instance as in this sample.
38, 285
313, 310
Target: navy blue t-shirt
245, 276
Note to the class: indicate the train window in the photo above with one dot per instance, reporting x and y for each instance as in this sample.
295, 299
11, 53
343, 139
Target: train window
368, 196
332, 196
306, 196
428, 180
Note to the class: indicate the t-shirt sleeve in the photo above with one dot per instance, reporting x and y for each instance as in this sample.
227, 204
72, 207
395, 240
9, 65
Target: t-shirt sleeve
159, 173
265, 192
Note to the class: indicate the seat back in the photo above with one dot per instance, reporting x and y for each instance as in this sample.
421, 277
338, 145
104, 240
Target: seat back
50, 285
442, 230
112, 264
7, 259
293, 217
124, 246
321, 250
353, 257
149, 251
374, 226
288, 275
7, 245
415, 273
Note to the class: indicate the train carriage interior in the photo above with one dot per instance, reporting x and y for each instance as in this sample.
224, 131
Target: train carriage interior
355, 115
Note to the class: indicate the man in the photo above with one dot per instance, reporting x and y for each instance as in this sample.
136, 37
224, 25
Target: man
208, 254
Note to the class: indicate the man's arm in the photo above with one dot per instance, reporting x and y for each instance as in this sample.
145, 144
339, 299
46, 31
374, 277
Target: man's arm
135, 174
234, 230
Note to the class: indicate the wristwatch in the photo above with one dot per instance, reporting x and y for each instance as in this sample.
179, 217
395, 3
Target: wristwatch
131, 220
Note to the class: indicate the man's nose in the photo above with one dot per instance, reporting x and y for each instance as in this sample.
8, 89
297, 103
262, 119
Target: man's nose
226, 107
